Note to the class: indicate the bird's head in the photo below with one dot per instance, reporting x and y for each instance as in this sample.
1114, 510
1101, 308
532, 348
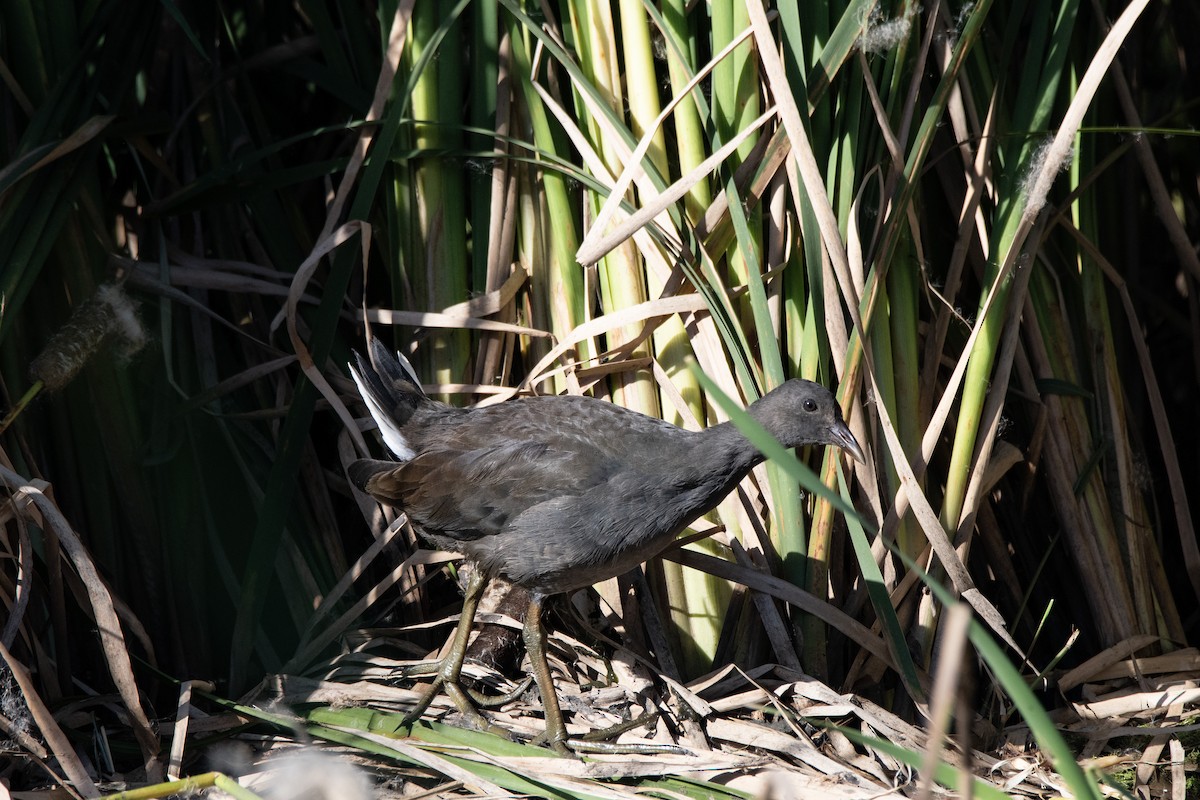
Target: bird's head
801, 412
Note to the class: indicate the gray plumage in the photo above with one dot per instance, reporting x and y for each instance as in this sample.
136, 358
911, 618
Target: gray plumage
557, 493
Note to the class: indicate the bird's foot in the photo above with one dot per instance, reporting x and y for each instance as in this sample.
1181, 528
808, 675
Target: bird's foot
581, 746
558, 744
613, 731
460, 698
585, 745
478, 698
597, 741
467, 700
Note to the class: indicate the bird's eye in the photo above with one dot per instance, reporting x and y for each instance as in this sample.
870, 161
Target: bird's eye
810, 405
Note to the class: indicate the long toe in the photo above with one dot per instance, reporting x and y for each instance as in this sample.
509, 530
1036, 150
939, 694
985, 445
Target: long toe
423, 703
421, 670
461, 699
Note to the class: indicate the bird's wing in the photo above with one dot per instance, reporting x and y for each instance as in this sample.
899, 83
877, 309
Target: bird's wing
470, 493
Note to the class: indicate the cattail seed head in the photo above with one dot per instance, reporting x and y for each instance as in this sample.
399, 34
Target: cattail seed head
108, 314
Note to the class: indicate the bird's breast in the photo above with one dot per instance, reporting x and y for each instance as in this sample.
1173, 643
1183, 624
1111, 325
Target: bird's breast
570, 543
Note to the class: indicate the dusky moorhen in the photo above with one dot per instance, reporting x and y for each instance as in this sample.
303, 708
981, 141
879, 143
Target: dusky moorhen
557, 492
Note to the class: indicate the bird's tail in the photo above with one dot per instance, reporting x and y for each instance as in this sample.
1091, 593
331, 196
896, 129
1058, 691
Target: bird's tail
389, 386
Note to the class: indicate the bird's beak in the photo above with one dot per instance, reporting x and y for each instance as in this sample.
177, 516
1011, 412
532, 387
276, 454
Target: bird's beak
839, 434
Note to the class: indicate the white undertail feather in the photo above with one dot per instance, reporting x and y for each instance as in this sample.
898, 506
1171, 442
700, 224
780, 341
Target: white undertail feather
392, 436
407, 366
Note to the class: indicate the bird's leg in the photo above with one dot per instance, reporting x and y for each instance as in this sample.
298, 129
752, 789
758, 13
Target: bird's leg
535, 644
450, 669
